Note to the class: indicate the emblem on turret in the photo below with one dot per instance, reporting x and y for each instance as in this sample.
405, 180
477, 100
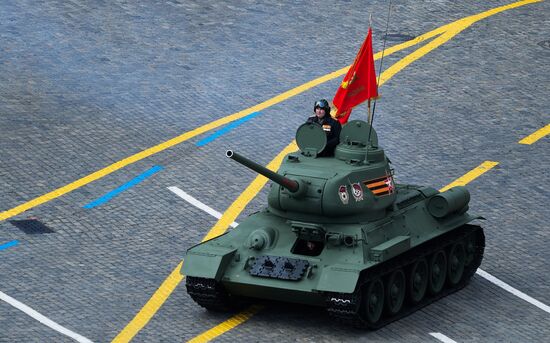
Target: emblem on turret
380, 186
389, 183
343, 193
357, 191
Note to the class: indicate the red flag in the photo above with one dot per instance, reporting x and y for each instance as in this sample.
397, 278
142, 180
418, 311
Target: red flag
343, 116
359, 84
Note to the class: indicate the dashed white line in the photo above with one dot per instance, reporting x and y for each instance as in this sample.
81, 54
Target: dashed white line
198, 204
512, 290
442, 337
43, 319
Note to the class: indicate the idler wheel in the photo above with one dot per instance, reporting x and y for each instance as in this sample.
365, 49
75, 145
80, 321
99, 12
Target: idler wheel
455, 264
373, 300
395, 292
418, 280
438, 271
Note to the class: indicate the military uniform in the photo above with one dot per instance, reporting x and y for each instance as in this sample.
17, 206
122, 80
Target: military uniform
332, 128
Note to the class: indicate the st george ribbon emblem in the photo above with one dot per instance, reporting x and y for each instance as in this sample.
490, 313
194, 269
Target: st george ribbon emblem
343, 193
357, 191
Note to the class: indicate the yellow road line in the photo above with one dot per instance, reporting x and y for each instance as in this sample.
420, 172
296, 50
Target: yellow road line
252, 190
450, 31
163, 146
532, 138
190, 134
447, 32
471, 175
151, 307
227, 325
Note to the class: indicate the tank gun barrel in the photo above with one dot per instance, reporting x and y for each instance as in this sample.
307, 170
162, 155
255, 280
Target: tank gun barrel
291, 185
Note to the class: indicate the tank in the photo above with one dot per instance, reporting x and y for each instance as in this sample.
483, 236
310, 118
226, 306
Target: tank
338, 232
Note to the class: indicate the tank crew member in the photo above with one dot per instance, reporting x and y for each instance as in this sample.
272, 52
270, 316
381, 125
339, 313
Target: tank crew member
331, 126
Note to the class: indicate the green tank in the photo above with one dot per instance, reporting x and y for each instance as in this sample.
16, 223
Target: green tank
339, 233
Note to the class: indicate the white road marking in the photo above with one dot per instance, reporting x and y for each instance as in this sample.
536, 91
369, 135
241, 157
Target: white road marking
198, 204
512, 290
42, 319
442, 337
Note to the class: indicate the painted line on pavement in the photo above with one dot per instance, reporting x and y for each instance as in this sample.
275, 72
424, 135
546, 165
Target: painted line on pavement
222, 121
205, 128
535, 136
229, 324
512, 290
124, 187
179, 192
471, 175
226, 129
43, 319
250, 192
442, 337
151, 307
9, 244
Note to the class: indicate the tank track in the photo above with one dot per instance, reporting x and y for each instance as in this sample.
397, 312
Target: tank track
211, 295
346, 308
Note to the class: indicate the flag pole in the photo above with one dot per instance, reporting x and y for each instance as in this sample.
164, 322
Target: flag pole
379, 72
369, 117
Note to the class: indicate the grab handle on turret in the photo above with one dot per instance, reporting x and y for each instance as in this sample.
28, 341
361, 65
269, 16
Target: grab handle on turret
291, 185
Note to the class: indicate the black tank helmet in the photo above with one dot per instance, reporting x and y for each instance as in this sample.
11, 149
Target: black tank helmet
323, 103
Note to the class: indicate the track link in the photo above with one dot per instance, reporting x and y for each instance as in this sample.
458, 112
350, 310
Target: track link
211, 295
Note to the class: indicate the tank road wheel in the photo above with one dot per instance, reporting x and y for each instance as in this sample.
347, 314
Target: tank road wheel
373, 300
438, 271
395, 292
455, 266
418, 280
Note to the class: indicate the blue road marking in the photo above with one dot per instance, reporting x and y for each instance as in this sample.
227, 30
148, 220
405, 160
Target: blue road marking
124, 187
9, 244
226, 129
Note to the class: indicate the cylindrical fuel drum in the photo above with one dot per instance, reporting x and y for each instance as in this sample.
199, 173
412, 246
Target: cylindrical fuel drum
448, 202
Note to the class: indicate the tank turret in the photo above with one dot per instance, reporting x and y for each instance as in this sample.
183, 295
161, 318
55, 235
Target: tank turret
357, 183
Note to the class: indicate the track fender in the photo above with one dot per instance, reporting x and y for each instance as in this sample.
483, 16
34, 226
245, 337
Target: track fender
207, 263
339, 278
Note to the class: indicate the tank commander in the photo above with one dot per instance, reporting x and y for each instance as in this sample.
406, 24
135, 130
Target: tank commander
331, 126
